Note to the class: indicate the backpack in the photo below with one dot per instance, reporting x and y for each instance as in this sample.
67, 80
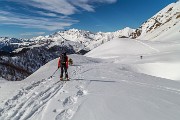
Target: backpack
63, 58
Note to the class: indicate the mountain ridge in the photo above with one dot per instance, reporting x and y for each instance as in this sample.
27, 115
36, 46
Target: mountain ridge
162, 26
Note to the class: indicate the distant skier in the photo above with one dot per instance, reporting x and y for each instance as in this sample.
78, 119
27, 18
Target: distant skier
141, 57
63, 64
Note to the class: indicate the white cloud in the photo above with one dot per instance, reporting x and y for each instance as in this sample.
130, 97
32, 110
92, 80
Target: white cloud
57, 6
105, 1
36, 22
32, 33
88, 4
49, 14
66, 7
46, 14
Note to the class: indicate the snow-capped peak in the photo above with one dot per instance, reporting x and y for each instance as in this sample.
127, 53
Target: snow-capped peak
126, 32
161, 24
89, 39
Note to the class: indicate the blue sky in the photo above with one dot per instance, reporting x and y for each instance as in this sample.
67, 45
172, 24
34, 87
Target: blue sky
28, 18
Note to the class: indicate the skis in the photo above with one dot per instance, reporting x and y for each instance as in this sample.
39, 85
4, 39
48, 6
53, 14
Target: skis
64, 79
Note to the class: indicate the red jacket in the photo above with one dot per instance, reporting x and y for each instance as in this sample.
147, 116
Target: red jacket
59, 62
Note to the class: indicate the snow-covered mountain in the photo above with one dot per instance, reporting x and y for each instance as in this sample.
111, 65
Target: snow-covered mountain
124, 33
88, 39
21, 64
21, 57
133, 79
162, 25
9, 44
79, 39
165, 22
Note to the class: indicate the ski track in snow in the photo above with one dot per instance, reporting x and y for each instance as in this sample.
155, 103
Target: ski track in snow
168, 89
35, 99
29, 100
70, 103
61, 100
147, 45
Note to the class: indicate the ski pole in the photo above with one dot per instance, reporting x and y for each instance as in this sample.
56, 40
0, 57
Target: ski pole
54, 73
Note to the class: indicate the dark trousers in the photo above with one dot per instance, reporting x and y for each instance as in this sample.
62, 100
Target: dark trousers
63, 68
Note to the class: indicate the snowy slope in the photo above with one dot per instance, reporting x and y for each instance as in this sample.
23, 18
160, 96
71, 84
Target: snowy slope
163, 25
120, 47
119, 86
98, 90
160, 58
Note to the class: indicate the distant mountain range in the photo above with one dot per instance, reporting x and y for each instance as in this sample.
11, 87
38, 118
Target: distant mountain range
79, 39
21, 57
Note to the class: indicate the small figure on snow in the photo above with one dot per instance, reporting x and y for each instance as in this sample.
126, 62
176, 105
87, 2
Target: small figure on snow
141, 56
63, 64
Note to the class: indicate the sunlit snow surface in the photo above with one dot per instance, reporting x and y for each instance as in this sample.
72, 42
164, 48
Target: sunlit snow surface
98, 90
114, 84
161, 59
